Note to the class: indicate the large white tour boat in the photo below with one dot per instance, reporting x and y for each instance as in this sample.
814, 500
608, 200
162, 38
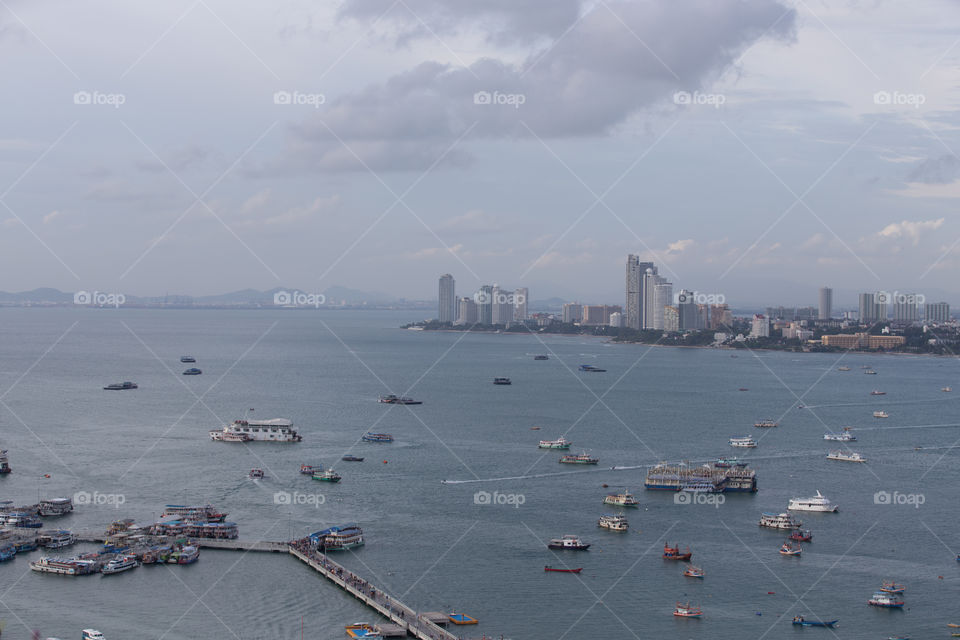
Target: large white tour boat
817, 503
275, 430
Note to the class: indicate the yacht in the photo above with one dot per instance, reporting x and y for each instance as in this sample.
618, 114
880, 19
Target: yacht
502, 381
275, 430
21, 519
881, 414
92, 634
7, 551
559, 443
121, 386
846, 456
119, 565
614, 522
744, 442
817, 503
569, 543
622, 499
766, 423
779, 521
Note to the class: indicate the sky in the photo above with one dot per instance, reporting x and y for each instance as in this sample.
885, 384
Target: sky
757, 149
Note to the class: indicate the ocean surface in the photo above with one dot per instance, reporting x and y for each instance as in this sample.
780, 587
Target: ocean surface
429, 542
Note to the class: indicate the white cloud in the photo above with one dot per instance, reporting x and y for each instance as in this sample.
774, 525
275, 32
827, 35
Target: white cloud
910, 229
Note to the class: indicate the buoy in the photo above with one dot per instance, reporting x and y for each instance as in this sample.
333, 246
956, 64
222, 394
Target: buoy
46, 475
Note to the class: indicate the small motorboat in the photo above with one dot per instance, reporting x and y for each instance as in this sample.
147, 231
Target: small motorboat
256, 474
801, 621
91, 634
551, 569
349, 458
187, 359
502, 381
788, 548
947, 389
743, 389
591, 368
395, 399
541, 357
674, 553
693, 572
569, 543
121, 386
687, 611
192, 371
877, 392
462, 618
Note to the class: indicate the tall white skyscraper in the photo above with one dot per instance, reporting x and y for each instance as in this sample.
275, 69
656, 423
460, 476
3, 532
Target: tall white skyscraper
502, 312
467, 311
662, 298
648, 288
520, 298
633, 310
826, 303
448, 299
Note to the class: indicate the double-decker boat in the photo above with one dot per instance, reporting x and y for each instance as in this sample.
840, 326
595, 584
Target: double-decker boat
26, 545
583, 458
674, 553
55, 506
377, 437
817, 503
881, 414
502, 381
743, 442
194, 513
362, 630
119, 565
845, 456
790, 548
613, 522
56, 539
338, 538
888, 600
591, 368
327, 475
568, 543
21, 519
779, 521
687, 611
121, 386
766, 423
275, 430
559, 443
622, 499
65, 567
693, 572
4, 462
395, 399
803, 622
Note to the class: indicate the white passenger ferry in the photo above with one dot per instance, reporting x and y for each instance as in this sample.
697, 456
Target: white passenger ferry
846, 456
745, 442
779, 521
275, 430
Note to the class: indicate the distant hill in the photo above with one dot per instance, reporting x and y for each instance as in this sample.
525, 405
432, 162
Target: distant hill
334, 295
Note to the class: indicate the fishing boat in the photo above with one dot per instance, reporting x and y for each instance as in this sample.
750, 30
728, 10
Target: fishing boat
551, 569
183, 554
693, 572
622, 499
310, 469
876, 392
613, 522
119, 565
461, 618
851, 456
892, 587
502, 381
559, 443
55, 506
339, 538
743, 442
583, 458
674, 553
766, 424
687, 611
120, 386
790, 548
541, 357
256, 474
274, 430
817, 503
887, 600
779, 521
349, 458
843, 436
802, 535
377, 437
362, 630
192, 371
591, 369
187, 359
395, 399
801, 621
4, 462
881, 414
329, 475
568, 543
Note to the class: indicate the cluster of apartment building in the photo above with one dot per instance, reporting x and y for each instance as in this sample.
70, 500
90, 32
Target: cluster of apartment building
490, 304
651, 304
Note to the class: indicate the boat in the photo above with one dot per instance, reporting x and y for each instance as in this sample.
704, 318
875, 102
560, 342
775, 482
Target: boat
846, 457
340, 538
843, 368
541, 357
687, 611
91, 634
817, 503
362, 630
888, 600
802, 535
502, 381
119, 565
21, 519
693, 572
947, 389
551, 569
743, 389
763, 424
377, 437
310, 469
559, 443
591, 369
843, 436
194, 513
328, 475
26, 545
870, 372
256, 474
568, 543
275, 430
744, 442
192, 371
121, 386
674, 553
395, 399
4, 462
56, 565
461, 618
725, 463
877, 392
56, 539
7, 551
349, 458
790, 548
622, 499
187, 359
613, 522
55, 507
881, 414
183, 554
801, 621
892, 587
779, 521
583, 458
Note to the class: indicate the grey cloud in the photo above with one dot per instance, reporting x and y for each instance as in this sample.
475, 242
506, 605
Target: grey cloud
942, 170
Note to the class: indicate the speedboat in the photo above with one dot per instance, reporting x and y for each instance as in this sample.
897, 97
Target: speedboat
568, 543
502, 381
674, 553
193, 371
121, 386
119, 565
846, 457
187, 359
687, 611
816, 503
779, 521
801, 621
559, 443
613, 522
328, 475
591, 368
256, 474
881, 599
881, 414
789, 548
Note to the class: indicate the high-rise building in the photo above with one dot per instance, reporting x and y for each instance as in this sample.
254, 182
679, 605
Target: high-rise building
520, 298
502, 311
598, 314
633, 311
484, 301
760, 327
720, 317
936, 312
671, 318
616, 319
826, 303
868, 308
572, 312
687, 310
880, 301
906, 308
648, 294
806, 313
448, 299
466, 311
662, 297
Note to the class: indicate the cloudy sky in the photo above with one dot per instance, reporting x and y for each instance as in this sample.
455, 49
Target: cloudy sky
755, 148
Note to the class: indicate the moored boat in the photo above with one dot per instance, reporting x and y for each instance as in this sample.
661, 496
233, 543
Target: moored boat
7, 551
201, 513
340, 538
119, 565
55, 506
56, 539
568, 543
362, 630
461, 618
91, 634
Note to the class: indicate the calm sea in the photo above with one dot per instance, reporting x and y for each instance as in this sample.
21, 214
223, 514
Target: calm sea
429, 542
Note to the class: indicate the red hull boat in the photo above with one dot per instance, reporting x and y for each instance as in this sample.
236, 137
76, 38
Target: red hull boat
577, 570
673, 553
